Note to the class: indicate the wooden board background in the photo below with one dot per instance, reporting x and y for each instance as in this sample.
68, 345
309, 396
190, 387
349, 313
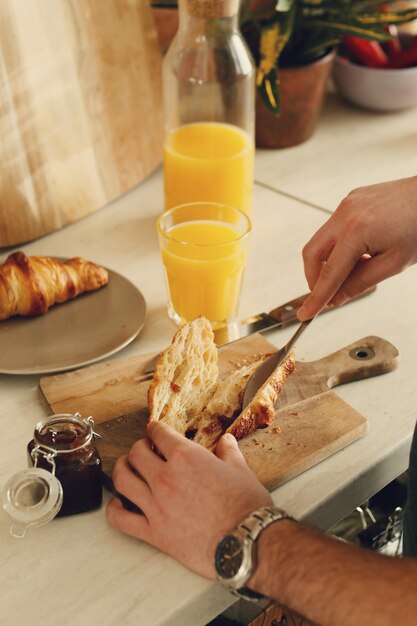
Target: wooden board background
81, 109
312, 422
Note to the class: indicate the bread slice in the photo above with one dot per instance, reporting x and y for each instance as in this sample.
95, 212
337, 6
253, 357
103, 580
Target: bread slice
260, 412
224, 406
186, 393
185, 376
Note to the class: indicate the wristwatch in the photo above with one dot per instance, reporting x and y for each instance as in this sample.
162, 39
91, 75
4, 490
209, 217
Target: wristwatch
235, 556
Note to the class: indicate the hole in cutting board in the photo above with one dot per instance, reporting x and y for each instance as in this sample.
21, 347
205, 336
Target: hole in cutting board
362, 354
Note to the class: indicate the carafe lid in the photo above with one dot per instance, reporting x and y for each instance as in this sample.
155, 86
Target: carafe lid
31, 497
210, 9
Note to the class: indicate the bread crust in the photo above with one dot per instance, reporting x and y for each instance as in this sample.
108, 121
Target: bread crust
260, 412
29, 286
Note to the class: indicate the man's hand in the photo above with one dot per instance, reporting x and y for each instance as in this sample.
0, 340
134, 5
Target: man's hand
190, 498
372, 235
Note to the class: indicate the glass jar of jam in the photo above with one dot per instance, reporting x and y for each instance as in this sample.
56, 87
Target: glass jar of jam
65, 476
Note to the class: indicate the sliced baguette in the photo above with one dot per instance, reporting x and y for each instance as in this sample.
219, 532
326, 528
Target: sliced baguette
185, 376
185, 392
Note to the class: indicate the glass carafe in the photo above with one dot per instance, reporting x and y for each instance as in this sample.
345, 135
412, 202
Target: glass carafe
209, 94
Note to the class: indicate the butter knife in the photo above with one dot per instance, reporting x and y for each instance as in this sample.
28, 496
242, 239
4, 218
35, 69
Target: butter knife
281, 317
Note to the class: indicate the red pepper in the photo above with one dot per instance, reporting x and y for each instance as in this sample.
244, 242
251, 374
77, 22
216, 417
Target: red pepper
407, 57
370, 53
393, 45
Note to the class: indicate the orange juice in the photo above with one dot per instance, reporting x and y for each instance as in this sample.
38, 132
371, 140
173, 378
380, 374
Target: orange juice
209, 162
204, 262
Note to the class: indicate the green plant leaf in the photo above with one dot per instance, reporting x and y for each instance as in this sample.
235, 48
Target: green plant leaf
313, 51
274, 37
269, 91
353, 29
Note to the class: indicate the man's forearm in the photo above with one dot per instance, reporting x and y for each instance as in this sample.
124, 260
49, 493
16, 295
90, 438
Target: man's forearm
333, 583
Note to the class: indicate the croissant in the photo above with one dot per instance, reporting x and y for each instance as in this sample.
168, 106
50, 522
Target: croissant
30, 285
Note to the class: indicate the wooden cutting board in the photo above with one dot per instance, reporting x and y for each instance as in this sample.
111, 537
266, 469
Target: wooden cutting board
81, 111
312, 422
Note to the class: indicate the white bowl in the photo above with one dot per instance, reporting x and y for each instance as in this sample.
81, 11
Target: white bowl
374, 88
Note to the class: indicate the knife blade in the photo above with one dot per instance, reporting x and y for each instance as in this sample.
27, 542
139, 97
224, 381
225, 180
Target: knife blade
268, 367
280, 317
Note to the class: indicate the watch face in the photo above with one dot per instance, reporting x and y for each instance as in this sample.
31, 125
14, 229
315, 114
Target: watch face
229, 556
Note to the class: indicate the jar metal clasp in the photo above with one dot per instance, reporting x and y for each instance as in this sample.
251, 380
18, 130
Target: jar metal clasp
90, 420
47, 453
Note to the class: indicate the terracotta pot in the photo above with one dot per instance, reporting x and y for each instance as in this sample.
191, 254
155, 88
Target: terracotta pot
166, 24
302, 93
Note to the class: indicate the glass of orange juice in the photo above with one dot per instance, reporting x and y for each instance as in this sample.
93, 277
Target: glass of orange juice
204, 247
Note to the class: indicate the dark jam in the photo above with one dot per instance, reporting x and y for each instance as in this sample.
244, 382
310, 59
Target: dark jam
77, 462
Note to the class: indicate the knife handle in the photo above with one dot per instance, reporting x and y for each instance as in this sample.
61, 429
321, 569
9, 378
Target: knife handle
286, 314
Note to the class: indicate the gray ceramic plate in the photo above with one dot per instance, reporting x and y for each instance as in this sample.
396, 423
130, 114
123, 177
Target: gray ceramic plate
73, 334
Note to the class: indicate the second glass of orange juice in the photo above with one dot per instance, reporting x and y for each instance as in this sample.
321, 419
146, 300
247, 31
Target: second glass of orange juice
204, 247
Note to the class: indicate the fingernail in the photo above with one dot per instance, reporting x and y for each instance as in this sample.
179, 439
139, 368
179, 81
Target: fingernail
302, 313
337, 301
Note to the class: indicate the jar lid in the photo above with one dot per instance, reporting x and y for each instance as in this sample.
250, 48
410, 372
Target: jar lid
31, 497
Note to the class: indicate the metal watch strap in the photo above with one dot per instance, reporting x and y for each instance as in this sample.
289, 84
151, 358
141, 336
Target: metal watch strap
257, 521
252, 526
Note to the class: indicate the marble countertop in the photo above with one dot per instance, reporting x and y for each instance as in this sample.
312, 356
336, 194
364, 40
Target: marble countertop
78, 570
352, 147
